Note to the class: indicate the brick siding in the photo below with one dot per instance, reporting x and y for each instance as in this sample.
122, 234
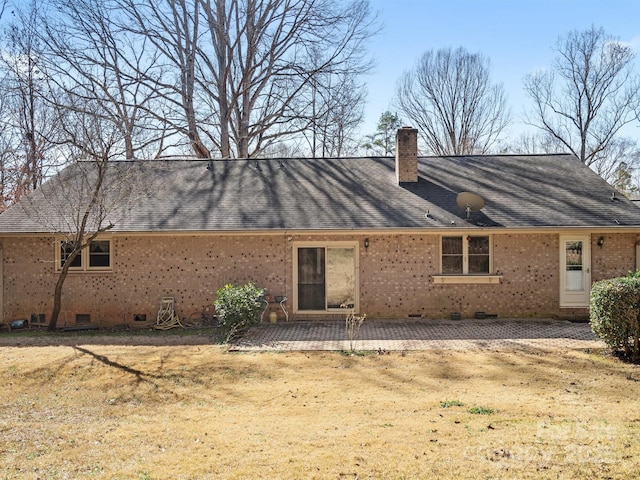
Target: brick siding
395, 275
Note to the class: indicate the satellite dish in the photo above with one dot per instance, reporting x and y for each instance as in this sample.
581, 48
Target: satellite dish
469, 202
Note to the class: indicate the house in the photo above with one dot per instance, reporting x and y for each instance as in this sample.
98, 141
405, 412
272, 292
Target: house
506, 235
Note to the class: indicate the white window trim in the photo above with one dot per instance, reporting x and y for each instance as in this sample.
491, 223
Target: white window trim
84, 255
325, 244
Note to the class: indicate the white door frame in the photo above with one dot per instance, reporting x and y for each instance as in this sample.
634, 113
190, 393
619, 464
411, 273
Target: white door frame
325, 244
575, 281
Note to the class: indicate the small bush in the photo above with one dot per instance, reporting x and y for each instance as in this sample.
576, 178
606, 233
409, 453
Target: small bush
451, 403
481, 411
239, 307
353, 323
614, 311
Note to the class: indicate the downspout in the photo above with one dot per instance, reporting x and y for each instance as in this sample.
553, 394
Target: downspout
286, 252
637, 245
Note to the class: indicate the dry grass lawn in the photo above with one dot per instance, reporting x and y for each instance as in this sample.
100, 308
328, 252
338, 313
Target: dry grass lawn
197, 412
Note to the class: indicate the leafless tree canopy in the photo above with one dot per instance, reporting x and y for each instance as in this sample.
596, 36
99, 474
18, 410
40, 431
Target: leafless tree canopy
449, 97
92, 61
336, 109
26, 120
238, 70
587, 97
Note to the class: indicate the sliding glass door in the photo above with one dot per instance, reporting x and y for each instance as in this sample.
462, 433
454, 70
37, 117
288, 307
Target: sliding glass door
326, 277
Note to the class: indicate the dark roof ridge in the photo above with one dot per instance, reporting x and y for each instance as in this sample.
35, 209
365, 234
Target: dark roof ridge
493, 155
257, 159
320, 159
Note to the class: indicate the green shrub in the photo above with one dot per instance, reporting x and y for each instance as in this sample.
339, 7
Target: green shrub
239, 307
614, 312
481, 411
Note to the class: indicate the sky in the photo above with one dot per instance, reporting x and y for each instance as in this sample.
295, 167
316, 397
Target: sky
518, 37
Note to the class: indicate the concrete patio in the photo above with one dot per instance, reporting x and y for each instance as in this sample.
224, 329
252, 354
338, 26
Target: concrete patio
421, 334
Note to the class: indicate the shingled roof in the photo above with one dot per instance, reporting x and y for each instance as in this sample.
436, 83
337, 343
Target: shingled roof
520, 191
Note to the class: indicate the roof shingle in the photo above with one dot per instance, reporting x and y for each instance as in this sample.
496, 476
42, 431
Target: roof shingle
520, 191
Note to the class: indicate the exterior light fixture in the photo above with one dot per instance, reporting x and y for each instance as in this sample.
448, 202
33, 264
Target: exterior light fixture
366, 244
601, 242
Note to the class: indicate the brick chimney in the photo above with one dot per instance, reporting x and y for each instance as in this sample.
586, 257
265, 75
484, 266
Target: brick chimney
407, 155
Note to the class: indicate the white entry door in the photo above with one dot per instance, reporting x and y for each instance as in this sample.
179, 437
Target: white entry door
575, 270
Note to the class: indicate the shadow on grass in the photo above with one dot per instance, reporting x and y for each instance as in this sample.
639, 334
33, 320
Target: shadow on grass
105, 360
147, 337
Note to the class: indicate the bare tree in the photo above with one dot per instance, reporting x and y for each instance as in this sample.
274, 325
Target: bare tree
26, 120
343, 113
532, 143
89, 196
171, 30
336, 109
588, 96
243, 65
276, 49
92, 61
450, 98
7, 180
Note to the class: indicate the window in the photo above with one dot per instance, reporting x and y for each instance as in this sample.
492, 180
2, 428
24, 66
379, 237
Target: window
38, 319
451, 255
573, 266
326, 277
465, 255
65, 251
97, 256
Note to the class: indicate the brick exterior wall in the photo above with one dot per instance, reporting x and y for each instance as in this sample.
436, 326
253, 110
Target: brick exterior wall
395, 275
398, 277
145, 268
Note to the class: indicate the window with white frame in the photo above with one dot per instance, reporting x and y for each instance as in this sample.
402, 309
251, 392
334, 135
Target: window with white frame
97, 256
466, 255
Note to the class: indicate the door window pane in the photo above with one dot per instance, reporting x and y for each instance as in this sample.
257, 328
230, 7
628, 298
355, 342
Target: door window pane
311, 279
574, 266
341, 285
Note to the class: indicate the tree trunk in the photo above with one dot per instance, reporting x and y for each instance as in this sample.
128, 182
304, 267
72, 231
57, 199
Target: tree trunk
57, 301
57, 293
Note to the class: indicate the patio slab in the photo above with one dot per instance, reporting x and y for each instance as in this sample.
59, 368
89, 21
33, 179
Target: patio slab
421, 334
